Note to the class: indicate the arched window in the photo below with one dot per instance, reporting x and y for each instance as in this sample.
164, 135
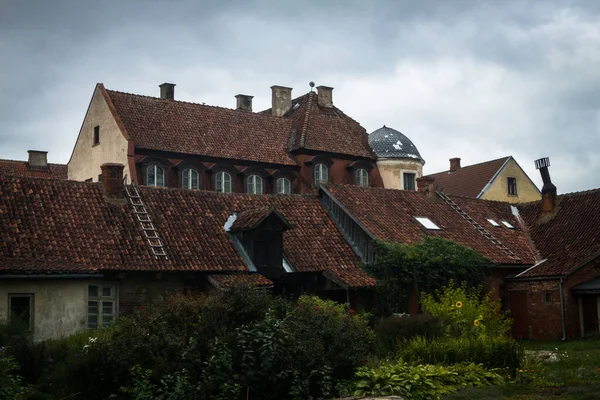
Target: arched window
321, 174
190, 179
361, 177
284, 186
155, 176
254, 184
223, 182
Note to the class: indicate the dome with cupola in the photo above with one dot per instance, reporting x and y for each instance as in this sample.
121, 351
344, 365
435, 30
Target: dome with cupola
389, 143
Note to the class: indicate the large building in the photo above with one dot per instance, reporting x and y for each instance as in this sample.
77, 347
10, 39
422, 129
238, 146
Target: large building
292, 147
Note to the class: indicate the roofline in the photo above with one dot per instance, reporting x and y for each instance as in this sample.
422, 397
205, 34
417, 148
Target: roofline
532, 267
583, 263
113, 111
326, 190
487, 186
467, 166
81, 127
50, 276
525, 173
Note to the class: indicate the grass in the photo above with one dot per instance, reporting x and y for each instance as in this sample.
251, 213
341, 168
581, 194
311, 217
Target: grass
575, 373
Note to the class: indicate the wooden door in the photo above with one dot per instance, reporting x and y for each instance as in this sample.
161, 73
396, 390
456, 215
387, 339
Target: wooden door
518, 312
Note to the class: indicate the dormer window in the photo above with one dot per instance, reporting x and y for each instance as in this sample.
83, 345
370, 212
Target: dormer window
223, 182
155, 176
96, 135
321, 174
254, 185
190, 179
283, 186
361, 177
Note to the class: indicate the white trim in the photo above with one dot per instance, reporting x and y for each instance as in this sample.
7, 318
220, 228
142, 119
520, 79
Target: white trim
427, 223
487, 186
409, 171
532, 267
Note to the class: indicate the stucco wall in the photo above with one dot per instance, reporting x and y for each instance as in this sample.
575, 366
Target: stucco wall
60, 306
526, 190
391, 171
87, 158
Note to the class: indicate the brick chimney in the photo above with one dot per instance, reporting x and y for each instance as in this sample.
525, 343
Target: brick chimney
281, 100
244, 102
426, 186
112, 179
38, 159
167, 91
454, 164
549, 197
325, 96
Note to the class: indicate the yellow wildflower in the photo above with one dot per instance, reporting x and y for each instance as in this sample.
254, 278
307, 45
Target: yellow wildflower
458, 304
476, 322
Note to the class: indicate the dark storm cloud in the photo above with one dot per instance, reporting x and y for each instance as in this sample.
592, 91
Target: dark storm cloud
478, 80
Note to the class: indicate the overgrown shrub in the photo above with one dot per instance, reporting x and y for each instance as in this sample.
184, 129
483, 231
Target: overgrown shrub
421, 381
12, 385
491, 352
392, 331
468, 311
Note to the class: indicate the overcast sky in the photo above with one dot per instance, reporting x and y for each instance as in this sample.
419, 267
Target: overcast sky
471, 79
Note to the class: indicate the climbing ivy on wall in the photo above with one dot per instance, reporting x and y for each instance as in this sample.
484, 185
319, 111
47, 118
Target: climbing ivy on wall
422, 267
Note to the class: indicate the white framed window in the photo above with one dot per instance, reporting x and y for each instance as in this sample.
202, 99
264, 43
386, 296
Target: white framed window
20, 309
102, 305
283, 186
321, 174
155, 176
254, 184
427, 223
223, 182
190, 179
361, 177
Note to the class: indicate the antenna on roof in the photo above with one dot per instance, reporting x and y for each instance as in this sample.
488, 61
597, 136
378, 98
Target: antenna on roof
312, 85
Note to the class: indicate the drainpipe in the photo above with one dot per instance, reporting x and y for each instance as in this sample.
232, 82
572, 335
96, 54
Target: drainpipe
562, 308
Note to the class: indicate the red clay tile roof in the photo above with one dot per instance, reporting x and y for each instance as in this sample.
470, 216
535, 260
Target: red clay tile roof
468, 181
350, 277
231, 280
22, 169
251, 219
326, 129
188, 128
390, 215
66, 226
570, 238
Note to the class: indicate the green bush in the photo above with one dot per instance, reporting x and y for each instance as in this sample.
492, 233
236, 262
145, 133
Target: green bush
392, 331
421, 381
12, 386
491, 352
469, 312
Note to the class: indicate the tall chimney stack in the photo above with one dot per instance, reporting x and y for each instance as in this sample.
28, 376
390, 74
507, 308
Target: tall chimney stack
112, 179
549, 197
454, 164
281, 100
38, 159
167, 91
325, 96
244, 102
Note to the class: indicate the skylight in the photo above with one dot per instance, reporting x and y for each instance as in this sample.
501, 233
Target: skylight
494, 223
508, 225
426, 222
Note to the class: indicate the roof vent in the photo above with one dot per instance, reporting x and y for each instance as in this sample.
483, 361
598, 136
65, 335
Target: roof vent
167, 91
454, 164
38, 159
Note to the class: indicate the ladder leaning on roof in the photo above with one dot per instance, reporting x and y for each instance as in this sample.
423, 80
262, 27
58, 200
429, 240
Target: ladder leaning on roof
145, 221
477, 226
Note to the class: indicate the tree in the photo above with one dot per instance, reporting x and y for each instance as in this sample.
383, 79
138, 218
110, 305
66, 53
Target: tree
423, 267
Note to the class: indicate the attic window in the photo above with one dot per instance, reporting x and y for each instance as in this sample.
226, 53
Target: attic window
427, 223
494, 223
508, 225
96, 135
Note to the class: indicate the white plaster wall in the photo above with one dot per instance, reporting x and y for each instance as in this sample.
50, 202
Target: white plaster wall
86, 159
391, 171
60, 305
